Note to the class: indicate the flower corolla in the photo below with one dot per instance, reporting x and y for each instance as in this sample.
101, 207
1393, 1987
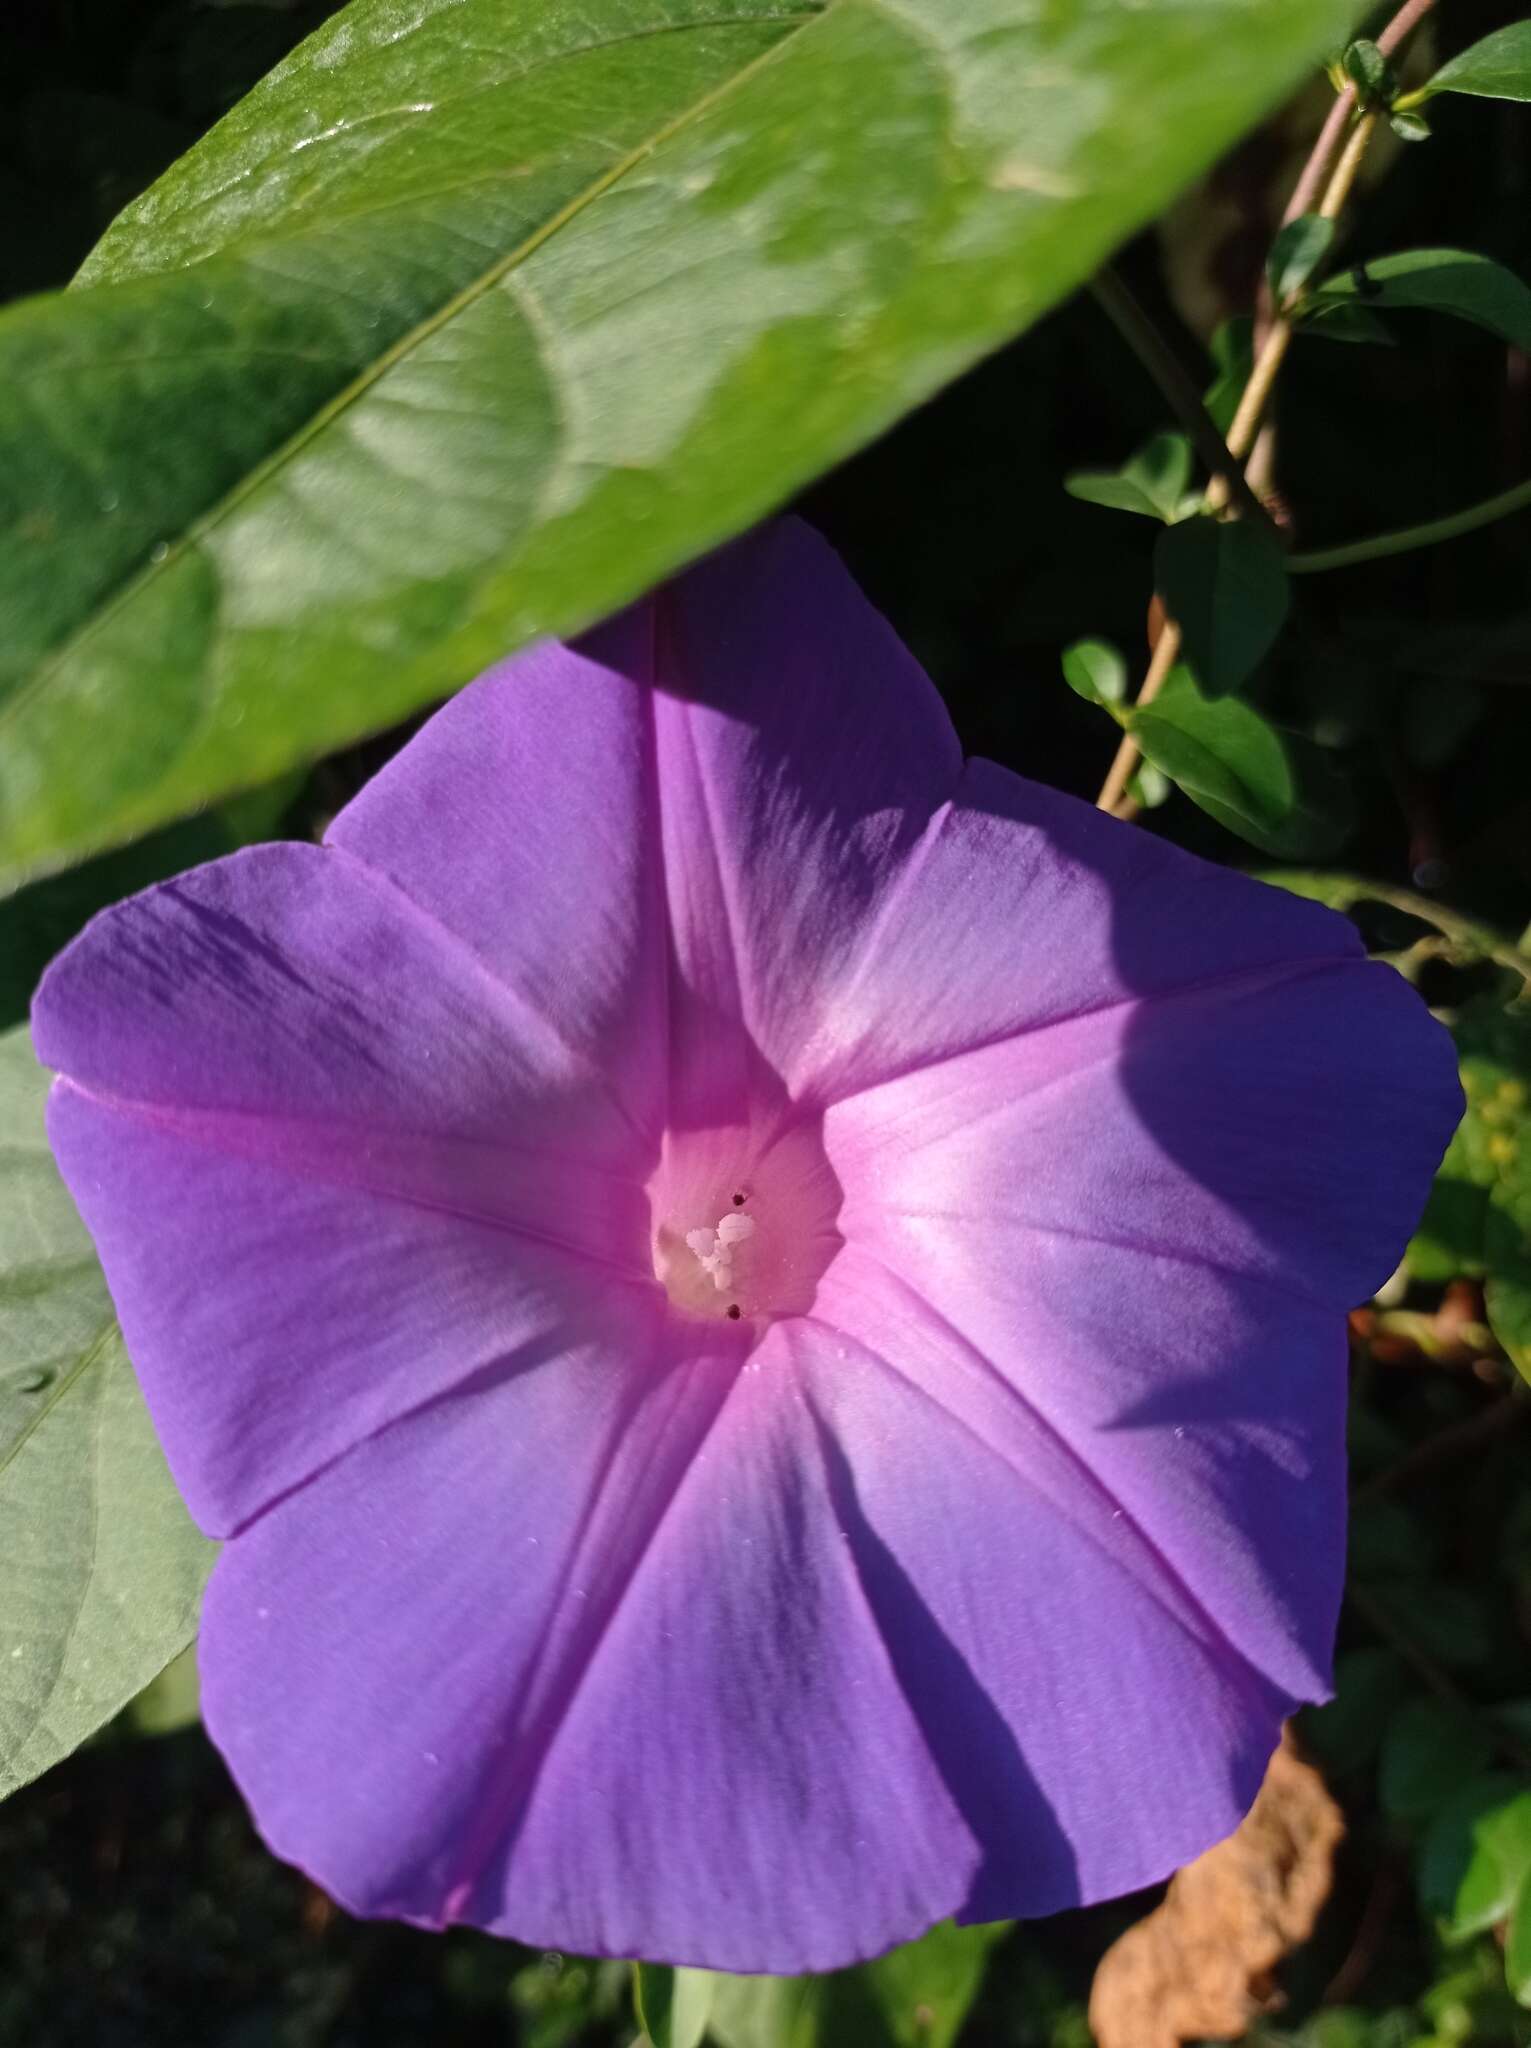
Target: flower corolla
761, 1309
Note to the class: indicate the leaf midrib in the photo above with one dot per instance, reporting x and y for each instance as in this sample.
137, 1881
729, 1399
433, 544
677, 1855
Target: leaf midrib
61, 1387
334, 408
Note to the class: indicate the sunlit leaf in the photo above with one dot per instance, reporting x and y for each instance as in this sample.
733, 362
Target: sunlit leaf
103, 1569
1497, 68
1271, 787
478, 316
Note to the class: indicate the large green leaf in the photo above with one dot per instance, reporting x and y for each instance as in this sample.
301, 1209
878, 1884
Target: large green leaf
1455, 281
480, 315
1497, 68
102, 1569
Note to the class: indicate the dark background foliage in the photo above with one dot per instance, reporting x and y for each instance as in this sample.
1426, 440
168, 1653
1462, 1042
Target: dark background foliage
136, 1906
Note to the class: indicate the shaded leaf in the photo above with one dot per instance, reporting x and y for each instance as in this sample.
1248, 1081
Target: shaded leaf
1497, 68
1273, 788
1369, 71
1224, 583
1431, 1750
1153, 483
1476, 1855
1456, 281
1409, 126
1334, 320
1232, 349
1298, 249
103, 1567
1345, 1733
479, 316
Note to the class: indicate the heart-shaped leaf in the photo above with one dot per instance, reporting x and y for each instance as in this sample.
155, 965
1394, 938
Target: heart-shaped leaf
103, 1568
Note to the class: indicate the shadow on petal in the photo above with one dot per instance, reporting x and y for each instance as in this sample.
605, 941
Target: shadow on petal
1022, 1850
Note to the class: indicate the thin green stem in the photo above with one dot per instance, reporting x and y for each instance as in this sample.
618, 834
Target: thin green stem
1408, 537
1478, 940
1163, 366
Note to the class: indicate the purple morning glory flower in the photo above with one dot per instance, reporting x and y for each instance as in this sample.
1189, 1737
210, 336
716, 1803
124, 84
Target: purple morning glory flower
762, 1309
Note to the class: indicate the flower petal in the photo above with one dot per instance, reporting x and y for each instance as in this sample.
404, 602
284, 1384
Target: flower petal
839, 882
331, 1169
1034, 1625
1145, 1224
622, 1694
521, 818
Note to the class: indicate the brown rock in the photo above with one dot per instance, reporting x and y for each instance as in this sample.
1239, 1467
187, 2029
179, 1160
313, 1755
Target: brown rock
1200, 1965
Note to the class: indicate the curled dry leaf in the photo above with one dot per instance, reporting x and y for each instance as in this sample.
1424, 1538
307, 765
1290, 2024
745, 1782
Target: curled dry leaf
1200, 1965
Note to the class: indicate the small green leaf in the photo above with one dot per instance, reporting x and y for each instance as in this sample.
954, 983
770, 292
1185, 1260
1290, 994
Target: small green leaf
103, 1567
1273, 788
1094, 670
1408, 126
1224, 583
1431, 1750
1153, 483
1371, 74
1232, 349
1345, 1732
673, 2005
1149, 786
1452, 281
1110, 489
1296, 253
1497, 68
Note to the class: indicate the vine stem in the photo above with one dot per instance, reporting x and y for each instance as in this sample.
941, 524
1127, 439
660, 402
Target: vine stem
1128, 753
1262, 378
1241, 435
1331, 137
1321, 173
1403, 538
1163, 366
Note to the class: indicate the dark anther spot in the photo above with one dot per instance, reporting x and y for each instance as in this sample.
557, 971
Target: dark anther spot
733, 1313
738, 1201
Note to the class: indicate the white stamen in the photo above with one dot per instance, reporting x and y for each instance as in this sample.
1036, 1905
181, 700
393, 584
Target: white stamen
734, 1228
702, 1242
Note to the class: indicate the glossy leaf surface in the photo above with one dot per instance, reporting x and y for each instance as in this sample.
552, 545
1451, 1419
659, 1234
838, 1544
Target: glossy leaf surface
478, 316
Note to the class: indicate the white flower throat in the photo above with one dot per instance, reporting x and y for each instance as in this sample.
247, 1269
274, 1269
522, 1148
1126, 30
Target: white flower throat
742, 1220
716, 1249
